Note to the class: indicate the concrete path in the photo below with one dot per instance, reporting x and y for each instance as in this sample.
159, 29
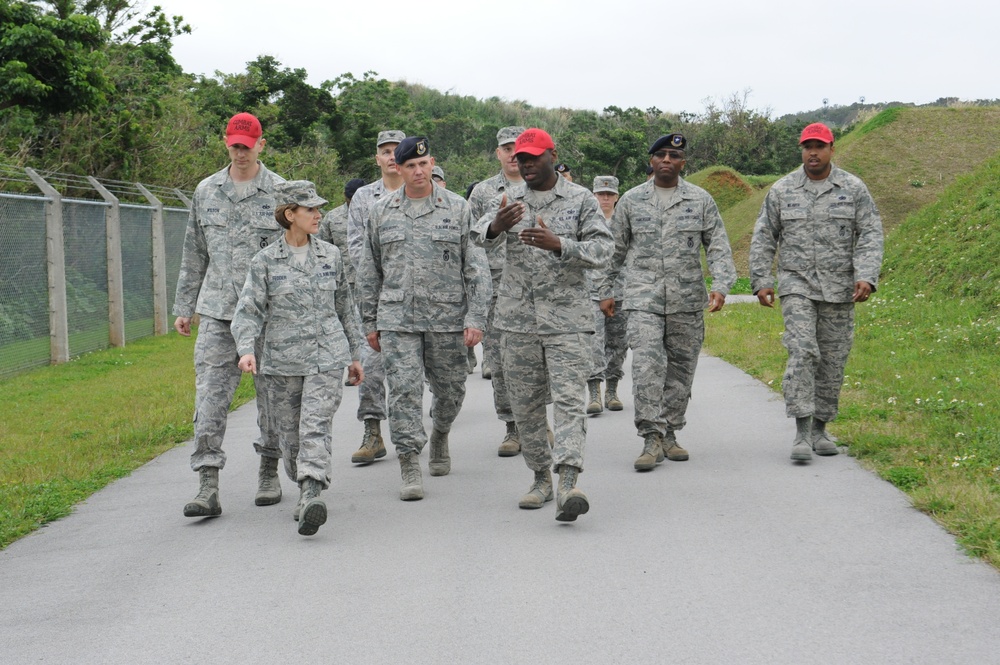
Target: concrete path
737, 556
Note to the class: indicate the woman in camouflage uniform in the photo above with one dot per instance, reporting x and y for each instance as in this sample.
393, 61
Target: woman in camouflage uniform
298, 287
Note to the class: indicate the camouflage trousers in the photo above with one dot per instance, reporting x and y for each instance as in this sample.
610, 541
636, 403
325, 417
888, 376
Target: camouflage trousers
665, 352
371, 392
538, 365
598, 360
616, 343
301, 411
491, 357
818, 336
409, 357
216, 377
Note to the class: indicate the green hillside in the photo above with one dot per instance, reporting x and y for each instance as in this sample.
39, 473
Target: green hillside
725, 185
923, 382
906, 156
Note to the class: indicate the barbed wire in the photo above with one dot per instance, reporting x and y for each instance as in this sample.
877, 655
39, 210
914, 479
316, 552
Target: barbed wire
78, 185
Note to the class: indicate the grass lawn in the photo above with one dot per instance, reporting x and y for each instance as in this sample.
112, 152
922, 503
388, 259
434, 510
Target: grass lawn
71, 429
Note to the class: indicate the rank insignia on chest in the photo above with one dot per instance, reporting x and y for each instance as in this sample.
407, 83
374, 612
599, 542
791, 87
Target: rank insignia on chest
447, 255
327, 266
689, 210
841, 198
263, 242
690, 242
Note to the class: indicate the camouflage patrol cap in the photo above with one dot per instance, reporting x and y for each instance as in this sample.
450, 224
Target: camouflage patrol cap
390, 136
508, 135
606, 183
437, 172
297, 192
411, 148
669, 142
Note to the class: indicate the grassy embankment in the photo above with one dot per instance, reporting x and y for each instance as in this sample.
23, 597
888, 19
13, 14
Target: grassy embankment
920, 402
71, 429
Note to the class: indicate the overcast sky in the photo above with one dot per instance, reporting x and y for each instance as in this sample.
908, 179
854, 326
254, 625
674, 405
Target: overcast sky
589, 54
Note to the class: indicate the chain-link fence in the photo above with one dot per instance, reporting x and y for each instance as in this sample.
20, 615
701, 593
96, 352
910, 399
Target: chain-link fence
58, 298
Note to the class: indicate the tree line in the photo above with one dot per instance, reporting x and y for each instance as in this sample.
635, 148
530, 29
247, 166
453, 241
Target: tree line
93, 89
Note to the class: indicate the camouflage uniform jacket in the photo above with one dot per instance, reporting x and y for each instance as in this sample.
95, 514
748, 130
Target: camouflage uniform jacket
659, 250
540, 292
333, 229
479, 201
420, 272
223, 234
309, 311
357, 218
825, 243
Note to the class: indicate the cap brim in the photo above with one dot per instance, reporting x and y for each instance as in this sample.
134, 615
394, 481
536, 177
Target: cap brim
605, 189
313, 203
533, 150
821, 139
248, 141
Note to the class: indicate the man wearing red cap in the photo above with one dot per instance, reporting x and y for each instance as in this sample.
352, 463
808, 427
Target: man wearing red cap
553, 231
824, 226
232, 218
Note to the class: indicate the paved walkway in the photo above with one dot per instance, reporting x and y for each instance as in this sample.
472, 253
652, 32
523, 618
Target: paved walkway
737, 556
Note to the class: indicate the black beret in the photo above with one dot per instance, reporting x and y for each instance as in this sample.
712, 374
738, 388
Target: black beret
353, 185
411, 148
563, 168
668, 142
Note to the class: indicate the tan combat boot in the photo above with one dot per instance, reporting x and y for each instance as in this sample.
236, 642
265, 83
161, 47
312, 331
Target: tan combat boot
611, 400
440, 463
511, 444
570, 502
372, 445
672, 449
412, 488
652, 453
268, 485
206, 503
540, 492
823, 442
594, 405
802, 445
311, 509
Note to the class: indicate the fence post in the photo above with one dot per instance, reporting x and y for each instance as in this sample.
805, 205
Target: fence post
116, 294
159, 264
183, 198
55, 250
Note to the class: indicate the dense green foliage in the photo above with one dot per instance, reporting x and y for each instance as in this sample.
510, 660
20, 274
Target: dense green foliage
124, 110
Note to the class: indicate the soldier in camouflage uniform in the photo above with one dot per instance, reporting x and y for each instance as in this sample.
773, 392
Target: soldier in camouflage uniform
479, 201
371, 394
822, 223
660, 229
553, 232
606, 191
232, 218
424, 298
298, 287
615, 334
333, 229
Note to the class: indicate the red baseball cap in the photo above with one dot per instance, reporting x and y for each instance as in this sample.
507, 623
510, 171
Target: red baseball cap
817, 131
533, 141
243, 128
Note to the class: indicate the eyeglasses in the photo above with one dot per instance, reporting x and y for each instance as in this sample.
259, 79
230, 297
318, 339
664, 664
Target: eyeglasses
672, 154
